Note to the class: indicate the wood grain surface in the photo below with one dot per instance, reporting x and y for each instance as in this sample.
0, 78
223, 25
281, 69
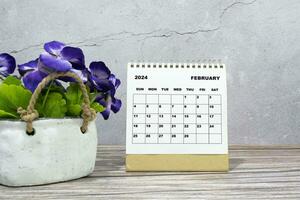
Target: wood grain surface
256, 172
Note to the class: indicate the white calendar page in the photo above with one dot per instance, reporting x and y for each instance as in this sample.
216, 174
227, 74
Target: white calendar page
176, 109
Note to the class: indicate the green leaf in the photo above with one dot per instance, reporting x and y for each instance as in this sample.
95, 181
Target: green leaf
54, 106
97, 107
4, 114
94, 95
74, 94
56, 88
74, 100
74, 110
12, 80
12, 97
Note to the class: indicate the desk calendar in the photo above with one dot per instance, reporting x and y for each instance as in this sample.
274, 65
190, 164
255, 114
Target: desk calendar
176, 117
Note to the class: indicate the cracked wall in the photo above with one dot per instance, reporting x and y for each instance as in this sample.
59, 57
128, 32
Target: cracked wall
257, 39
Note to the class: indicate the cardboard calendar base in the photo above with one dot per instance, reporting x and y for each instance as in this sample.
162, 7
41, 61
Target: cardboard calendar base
177, 162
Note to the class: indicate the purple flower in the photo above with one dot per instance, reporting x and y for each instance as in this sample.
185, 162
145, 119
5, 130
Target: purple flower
32, 79
7, 64
57, 58
99, 76
27, 67
102, 80
32, 76
59, 53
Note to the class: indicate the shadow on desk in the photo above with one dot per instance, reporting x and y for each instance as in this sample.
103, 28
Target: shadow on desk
234, 163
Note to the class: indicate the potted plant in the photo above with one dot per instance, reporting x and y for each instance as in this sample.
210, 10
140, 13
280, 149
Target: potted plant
42, 138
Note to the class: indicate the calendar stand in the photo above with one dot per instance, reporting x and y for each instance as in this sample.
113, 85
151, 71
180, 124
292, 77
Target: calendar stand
177, 162
176, 125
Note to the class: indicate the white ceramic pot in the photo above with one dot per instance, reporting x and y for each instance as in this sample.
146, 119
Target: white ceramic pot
58, 151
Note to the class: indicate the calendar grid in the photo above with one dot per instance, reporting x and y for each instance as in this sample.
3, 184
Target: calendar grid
146, 124
177, 119
132, 140
158, 132
171, 121
221, 120
196, 121
208, 119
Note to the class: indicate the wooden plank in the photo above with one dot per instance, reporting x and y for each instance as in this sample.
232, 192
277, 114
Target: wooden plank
256, 172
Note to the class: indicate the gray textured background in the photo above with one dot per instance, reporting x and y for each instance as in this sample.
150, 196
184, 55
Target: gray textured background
258, 40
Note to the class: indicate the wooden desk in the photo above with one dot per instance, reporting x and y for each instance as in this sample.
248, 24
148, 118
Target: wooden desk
257, 172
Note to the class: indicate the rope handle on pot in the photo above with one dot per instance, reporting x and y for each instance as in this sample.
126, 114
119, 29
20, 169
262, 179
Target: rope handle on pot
31, 114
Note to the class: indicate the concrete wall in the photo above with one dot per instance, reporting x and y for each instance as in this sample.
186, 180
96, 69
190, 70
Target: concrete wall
258, 40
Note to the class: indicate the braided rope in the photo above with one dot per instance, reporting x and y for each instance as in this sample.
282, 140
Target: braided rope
30, 114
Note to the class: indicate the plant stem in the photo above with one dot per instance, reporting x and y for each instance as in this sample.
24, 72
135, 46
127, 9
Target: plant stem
46, 96
94, 98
